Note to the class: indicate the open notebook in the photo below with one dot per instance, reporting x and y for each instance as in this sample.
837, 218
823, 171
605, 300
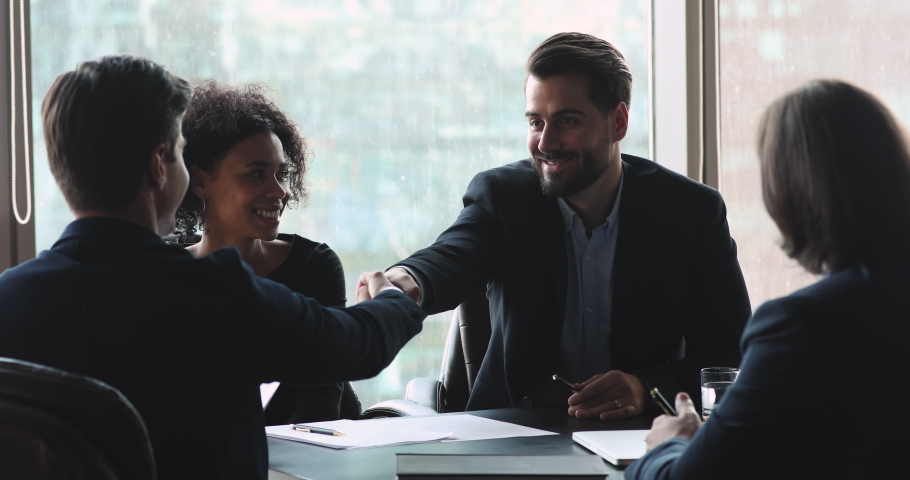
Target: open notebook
619, 447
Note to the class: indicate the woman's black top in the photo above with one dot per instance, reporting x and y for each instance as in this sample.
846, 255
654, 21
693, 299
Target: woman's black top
314, 270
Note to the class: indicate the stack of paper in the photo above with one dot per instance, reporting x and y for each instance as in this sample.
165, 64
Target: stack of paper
357, 434
404, 430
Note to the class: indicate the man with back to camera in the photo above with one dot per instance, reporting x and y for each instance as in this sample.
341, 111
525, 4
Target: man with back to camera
598, 266
111, 300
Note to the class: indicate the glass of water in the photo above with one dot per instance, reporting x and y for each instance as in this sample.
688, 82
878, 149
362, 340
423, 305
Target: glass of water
714, 383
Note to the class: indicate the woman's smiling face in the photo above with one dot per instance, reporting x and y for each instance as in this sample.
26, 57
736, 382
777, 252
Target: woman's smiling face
248, 191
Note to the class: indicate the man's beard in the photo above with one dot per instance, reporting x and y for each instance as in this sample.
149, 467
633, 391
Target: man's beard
560, 184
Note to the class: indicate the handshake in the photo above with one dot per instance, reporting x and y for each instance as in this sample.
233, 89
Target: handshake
371, 284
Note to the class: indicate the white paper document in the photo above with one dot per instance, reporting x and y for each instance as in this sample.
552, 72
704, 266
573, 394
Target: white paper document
470, 427
357, 434
405, 430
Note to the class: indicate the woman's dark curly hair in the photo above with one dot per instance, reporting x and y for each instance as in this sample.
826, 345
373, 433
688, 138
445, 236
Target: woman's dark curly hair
221, 116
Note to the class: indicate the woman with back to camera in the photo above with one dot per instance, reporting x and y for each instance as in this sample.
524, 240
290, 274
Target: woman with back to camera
823, 385
247, 163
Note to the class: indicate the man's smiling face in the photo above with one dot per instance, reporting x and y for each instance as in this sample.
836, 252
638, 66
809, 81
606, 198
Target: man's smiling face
569, 138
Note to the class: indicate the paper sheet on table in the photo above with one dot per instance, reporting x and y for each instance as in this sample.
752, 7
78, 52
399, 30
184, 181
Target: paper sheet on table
470, 427
380, 432
359, 434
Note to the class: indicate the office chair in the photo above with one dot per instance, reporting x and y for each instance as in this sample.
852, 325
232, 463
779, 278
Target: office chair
466, 345
59, 425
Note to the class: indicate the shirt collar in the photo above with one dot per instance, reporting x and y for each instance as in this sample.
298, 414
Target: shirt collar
109, 230
569, 217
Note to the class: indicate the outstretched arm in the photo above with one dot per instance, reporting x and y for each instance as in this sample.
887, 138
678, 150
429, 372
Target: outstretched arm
463, 258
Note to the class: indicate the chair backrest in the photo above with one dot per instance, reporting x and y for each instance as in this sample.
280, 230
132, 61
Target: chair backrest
350, 407
55, 424
466, 345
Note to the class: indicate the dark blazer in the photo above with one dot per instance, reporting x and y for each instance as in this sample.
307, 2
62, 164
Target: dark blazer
679, 300
112, 301
821, 394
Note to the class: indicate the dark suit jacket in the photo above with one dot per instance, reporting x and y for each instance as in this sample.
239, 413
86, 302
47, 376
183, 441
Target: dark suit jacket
821, 393
111, 300
679, 299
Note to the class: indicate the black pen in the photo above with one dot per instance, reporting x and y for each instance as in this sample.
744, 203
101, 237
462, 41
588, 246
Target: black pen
306, 428
662, 402
575, 388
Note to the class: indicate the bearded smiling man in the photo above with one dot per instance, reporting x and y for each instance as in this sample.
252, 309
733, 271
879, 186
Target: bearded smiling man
604, 268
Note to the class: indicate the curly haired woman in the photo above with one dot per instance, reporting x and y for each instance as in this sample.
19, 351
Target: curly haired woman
247, 163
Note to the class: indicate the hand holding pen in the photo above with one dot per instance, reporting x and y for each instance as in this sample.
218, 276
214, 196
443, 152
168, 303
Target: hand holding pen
614, 395
574, 387
662, 402
684, 425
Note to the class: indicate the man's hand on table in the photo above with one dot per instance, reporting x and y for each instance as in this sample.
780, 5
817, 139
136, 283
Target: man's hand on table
611, 396
403, 280
371, 284
666, 427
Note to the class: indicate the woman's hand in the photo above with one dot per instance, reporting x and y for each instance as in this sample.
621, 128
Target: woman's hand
666, 427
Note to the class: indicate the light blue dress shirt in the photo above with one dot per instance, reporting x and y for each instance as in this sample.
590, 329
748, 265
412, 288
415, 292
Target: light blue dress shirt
586, 332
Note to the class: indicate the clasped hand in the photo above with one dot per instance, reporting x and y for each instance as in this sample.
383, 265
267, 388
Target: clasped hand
611, 396
371, 283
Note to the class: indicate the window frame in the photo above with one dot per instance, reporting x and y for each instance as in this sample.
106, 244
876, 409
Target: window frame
686, 84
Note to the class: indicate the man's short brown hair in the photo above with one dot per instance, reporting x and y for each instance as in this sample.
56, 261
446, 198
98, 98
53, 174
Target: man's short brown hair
606, 68
836, 177
101, 123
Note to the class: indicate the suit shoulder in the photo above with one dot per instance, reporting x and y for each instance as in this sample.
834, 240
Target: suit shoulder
667, 181
226, 260
836, 293
856, 315
515, 174
46, 263
517, 180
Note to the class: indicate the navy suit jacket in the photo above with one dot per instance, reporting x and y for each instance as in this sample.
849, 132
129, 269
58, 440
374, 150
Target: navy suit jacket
821, 393
679, 298
112, 301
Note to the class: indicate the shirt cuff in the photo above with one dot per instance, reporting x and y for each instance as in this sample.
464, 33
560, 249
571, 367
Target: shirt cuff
417, 279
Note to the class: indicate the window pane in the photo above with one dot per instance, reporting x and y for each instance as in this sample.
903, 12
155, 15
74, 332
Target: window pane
401, 101
768, 48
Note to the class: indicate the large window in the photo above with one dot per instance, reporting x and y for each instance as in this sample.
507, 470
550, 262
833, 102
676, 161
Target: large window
401, 102
768, 48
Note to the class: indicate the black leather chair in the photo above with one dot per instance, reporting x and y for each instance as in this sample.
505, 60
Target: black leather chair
466, 345
58, 425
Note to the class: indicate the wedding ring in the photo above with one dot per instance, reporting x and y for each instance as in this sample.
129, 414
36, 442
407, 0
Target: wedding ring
616, 402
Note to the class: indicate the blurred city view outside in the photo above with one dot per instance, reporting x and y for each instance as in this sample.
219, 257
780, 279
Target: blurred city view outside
768, 48
401, 102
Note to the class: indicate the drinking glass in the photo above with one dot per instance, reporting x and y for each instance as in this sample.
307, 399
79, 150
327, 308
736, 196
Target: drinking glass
714, 383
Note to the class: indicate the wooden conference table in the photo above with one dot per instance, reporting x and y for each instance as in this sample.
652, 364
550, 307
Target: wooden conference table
320, 463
